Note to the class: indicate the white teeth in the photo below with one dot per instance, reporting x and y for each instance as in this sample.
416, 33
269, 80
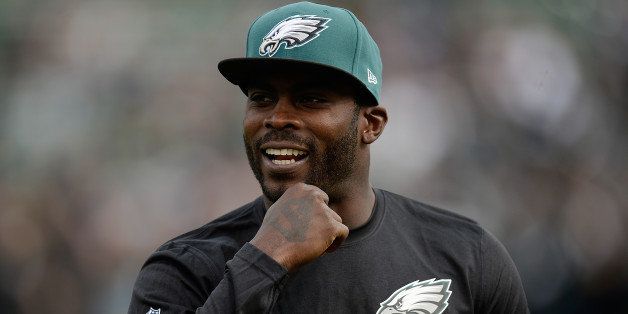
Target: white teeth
283, 162
284, 151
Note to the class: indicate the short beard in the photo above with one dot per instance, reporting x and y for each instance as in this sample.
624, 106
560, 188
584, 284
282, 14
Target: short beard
328, 170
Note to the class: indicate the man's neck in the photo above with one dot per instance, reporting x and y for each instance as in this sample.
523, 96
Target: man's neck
354, 207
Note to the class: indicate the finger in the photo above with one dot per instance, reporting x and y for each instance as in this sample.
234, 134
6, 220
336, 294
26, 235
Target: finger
318, 192
342, 232
334, 215
334, 246
325, 197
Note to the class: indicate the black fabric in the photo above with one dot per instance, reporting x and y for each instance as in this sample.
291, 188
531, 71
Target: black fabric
214, 270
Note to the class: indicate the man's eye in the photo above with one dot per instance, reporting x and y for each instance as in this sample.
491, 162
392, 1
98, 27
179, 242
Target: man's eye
312, 101
258, 98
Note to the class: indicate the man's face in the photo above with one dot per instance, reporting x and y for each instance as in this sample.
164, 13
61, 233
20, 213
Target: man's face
300, 130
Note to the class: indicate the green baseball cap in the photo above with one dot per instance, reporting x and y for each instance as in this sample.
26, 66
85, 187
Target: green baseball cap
314, 35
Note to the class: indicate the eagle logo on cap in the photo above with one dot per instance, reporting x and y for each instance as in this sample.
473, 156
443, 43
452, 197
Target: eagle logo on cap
294, 31
418, 297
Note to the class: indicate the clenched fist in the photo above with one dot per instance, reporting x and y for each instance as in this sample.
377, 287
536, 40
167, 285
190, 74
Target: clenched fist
299, 227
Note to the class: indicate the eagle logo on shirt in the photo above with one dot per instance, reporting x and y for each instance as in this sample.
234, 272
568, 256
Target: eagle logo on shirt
418, 297
292, 32
153, 311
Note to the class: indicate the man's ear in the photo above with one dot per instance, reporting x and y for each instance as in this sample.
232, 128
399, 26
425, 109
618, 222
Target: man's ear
376, 118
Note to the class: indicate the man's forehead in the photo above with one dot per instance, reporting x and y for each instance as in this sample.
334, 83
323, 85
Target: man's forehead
302, 80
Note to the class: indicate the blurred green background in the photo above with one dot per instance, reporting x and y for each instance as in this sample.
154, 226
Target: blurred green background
118, 133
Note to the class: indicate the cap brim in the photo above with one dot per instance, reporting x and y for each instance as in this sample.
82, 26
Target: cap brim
240, 71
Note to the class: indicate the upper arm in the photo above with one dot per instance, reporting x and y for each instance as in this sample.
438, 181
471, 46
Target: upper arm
175, 280
501, 288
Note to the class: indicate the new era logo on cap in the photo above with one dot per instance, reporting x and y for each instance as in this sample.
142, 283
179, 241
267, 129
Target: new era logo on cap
294, 31
371, 77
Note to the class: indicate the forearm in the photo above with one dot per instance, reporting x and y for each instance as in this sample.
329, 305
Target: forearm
251, 284
179, 279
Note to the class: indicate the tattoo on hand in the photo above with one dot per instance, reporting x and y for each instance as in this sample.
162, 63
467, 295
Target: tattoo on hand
293, 223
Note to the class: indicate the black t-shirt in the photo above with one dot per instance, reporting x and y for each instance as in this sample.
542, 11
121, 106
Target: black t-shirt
409, 258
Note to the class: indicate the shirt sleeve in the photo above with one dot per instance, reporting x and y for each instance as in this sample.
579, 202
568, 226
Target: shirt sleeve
183, 279
501, 288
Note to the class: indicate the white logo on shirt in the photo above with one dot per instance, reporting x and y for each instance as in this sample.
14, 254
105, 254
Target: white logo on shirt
420, 297
153, 311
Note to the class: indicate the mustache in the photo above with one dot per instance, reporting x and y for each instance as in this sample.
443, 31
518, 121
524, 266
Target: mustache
283, 135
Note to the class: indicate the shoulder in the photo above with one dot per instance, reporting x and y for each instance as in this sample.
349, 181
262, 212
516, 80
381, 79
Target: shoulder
501, 290
203, 252
232, 229
446, 236
214, 243
430, 218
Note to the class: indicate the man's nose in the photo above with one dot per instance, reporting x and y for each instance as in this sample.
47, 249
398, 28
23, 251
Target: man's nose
284, 115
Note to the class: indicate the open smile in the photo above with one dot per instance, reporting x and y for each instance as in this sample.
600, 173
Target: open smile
283, 158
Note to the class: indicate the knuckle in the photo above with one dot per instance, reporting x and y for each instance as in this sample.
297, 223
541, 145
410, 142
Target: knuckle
295, 188
329, 230
320, 194
319, 214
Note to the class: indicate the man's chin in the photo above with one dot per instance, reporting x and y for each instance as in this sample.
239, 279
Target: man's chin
274, 190
273, 194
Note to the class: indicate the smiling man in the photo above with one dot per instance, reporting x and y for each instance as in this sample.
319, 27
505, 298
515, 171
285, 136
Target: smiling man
321, 239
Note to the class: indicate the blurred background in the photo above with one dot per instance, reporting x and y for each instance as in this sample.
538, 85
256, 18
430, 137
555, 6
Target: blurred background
117, 133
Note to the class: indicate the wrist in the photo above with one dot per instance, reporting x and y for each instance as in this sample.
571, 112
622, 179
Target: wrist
272, 250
